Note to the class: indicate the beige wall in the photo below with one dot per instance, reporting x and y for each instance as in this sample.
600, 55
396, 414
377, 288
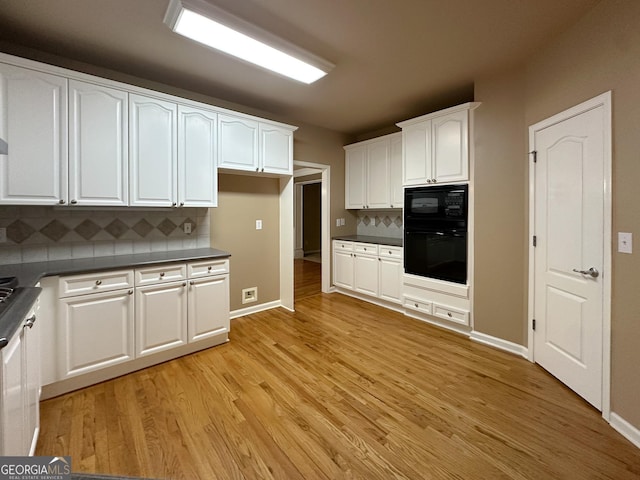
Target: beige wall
499, 198
255, 254
602, 52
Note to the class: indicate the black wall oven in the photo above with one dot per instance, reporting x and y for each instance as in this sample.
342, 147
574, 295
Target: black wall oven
435, 232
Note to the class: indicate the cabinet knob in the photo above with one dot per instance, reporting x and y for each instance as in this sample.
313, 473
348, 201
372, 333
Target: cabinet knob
192, 282
433, 180
182, 204
392, 205
130, 292
174, 204
184, 284
449, 314
428, 180
209, 267
416, 305
98, 282
30, 321
73, 202
61, 202
161, 274
257, 169
263, 169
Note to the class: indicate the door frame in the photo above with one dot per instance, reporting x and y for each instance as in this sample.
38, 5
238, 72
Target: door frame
300, 216
325, 227
603, 100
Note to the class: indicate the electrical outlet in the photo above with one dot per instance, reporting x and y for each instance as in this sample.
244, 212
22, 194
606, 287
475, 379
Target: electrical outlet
258, 224
187, 227
3, 235
342, 222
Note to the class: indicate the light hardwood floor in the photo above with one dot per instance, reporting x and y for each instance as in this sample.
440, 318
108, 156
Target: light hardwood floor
339, 389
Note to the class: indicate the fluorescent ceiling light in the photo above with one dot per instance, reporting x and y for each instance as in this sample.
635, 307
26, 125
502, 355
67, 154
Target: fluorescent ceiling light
195, 20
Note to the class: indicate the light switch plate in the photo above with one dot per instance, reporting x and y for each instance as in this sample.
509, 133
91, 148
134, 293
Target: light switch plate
625, 242
258, 224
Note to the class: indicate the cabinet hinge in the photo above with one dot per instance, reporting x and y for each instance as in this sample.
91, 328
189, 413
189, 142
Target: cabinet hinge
535, 240
535, 156
534, 324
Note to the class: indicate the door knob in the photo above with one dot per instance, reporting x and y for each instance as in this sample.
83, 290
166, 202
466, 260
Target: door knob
593, 272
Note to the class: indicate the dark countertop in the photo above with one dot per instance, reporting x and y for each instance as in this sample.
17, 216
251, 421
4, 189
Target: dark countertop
29, 274
394, 242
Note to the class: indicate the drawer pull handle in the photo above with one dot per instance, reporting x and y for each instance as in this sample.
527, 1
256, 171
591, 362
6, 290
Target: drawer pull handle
98, 282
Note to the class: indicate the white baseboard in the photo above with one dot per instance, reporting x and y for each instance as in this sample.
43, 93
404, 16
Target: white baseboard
241, 312
499, 343
625, 429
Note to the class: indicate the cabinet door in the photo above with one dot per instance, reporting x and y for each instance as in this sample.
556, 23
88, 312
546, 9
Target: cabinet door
152, 147
417, 153
395, 172
390, 279
14, 434
98, 145
365, 274
161, 317
33, 123
276, 150
197, 169
208, 307
32, 383
343, 269
96, 331
377, 183
237, 143
450, 149
355, 170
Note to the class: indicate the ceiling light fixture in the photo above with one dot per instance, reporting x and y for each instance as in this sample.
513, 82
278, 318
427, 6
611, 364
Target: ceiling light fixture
211, 26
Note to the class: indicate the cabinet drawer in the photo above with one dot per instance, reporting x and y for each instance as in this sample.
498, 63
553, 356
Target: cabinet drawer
365, 248
207, 268
452, 314
387, 251
168, 272
418, 305
94, 282
339, 245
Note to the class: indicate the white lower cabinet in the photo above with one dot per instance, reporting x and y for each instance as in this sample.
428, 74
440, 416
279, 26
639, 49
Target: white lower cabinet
129, 319
96, 331
161, 317
20, 389
370, 269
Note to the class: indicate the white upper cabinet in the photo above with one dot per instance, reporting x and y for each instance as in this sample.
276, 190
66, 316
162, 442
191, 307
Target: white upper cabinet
238, 143
369, 179
395, 172
436, 147
253, 146
276, 149
33, 124
197, 169
355, 172
98, 145
153, 152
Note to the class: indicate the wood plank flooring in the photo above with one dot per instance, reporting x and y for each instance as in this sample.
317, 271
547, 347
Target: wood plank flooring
340, 389
307, 278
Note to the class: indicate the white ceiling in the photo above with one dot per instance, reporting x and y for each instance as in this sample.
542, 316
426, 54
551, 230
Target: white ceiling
394, 59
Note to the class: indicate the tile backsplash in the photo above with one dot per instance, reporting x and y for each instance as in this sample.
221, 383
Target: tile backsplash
36, 234
381, 223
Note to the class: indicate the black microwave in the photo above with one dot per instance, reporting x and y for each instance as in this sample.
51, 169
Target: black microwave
446, 205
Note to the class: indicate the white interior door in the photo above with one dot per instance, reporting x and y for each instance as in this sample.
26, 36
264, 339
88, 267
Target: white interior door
570, 216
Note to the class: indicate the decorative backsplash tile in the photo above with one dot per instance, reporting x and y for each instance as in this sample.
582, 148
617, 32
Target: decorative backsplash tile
47, 233
380, 223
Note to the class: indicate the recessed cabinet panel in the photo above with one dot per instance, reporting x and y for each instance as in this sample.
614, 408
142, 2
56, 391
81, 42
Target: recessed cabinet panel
365, 274
450, 147
161, 317
13, 401
96, 331
33, 123
377, 175
417, 153
208, 307
153, 151
276, 149
237, 143
356, 165
98, 145
343, 269
197, 169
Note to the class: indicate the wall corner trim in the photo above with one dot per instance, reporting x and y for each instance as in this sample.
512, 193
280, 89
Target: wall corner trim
625, 429
499, 343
